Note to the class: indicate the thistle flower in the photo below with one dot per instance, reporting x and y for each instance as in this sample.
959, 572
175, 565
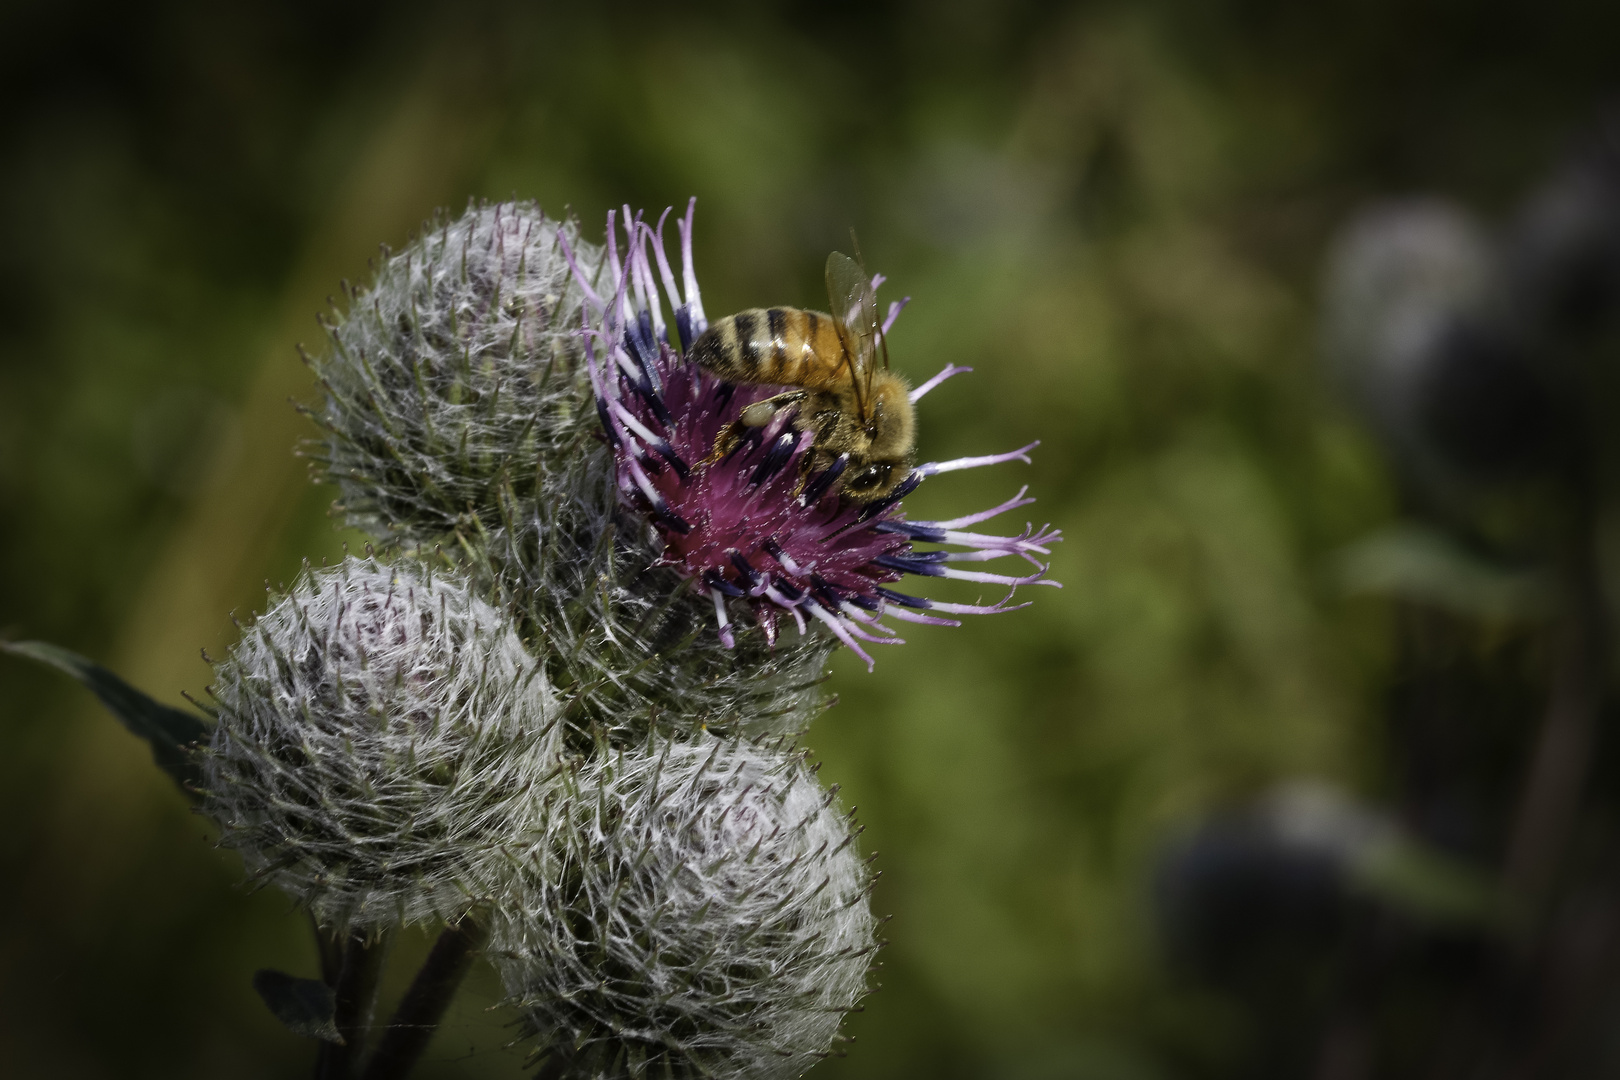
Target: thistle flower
623, 638
458, 409
378, 729
455, 374
755, 532
691, 909
559, 527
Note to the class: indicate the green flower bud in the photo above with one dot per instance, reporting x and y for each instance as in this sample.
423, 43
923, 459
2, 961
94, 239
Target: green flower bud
379, 731
459, 410
688, 909
456, 373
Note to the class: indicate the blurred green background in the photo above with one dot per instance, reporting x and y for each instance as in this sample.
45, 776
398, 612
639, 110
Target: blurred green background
1114, 212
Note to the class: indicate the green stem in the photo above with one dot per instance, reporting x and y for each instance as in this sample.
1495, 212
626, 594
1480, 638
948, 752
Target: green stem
358, 962
1561, 758
417, 1018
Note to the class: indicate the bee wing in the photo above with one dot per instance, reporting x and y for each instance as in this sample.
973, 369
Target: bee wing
854, 309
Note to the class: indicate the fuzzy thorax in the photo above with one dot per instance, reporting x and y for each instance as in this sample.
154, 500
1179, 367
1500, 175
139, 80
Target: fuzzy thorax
861, 418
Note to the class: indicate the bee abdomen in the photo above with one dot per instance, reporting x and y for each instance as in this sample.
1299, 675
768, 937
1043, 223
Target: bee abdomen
768, 345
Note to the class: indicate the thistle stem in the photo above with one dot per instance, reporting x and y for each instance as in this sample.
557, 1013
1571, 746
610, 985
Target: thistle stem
417, 1018
1559, 762
351, 967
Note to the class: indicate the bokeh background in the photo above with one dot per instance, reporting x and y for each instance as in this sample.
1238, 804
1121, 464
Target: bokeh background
1115, 212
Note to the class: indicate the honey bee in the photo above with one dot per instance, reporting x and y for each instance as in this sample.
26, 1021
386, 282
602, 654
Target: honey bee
859, 413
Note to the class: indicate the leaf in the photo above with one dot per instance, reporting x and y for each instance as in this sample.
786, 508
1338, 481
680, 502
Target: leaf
1422, 564
307, 1006
170, 732
1426, 881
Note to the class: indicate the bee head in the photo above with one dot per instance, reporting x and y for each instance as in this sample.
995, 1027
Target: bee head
873, 480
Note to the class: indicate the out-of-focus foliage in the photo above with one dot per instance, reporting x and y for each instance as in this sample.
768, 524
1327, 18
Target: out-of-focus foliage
1114, 213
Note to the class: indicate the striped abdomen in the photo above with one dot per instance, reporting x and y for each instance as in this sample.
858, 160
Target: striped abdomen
778, 345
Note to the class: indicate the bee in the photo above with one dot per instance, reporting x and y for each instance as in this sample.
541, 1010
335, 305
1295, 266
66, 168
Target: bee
859, 413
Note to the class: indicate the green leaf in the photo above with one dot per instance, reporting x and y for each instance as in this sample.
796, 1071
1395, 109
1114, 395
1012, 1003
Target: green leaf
307, 1006
1426, 881
172, 733
1422, 564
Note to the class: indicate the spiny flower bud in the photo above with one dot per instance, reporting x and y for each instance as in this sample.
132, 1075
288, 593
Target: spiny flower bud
458, 405
456, 372
378, 728
689, 909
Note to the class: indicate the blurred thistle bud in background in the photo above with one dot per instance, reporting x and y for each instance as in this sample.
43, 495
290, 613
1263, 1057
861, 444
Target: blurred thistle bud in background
1562, 251
1274, 886
379, 730
1417, 331
689, 909
1562, 266
1256, 886
455, 375
1486, 367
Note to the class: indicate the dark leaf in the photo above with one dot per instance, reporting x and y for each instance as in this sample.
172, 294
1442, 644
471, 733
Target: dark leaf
306, 1006
1421, 564
1426, 881
169, 731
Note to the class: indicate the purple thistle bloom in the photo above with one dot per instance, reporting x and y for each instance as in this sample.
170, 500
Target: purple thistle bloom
752, 529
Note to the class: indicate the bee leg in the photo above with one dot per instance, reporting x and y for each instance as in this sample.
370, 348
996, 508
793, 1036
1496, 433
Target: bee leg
761, 413
807, 465
756, 415
725, 442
